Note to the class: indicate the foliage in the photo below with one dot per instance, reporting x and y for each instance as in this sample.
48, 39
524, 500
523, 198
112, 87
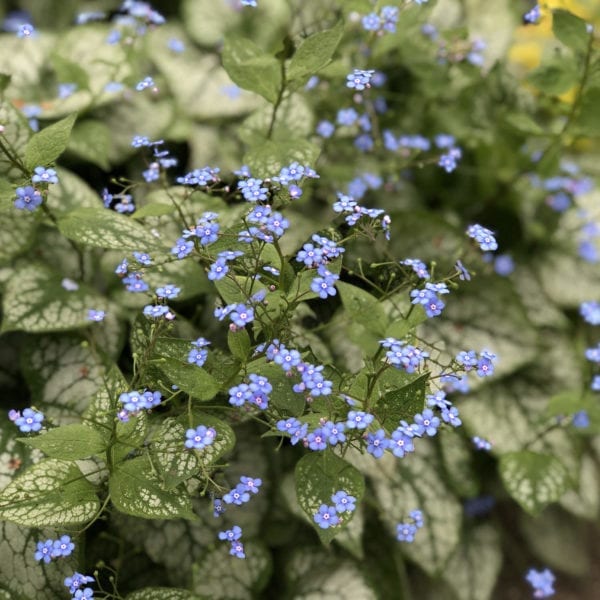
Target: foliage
371, 318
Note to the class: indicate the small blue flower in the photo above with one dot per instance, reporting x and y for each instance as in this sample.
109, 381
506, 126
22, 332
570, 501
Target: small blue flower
96, 315
237, 549
169, 291
401, 443
200, 438
357, 419
84, 594
483, 236
251, 484
30, 421
428, 422
326, 517
145, 83
76, 581
581, 419
231, 535
182, 248
44, 551
343, 502
359, 79
377, 443
62, 547
28, 198
481, 444
43, 175
590, 311
405, 532
238, 495
542, 582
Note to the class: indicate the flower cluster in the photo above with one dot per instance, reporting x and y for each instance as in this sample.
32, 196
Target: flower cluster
46, 551
255, 393
428, 298
241, 493
198, 354
403, 355
75, 584
347, 205
405, 532
384, 21
484, 237
329, 515
233, 536
134, 402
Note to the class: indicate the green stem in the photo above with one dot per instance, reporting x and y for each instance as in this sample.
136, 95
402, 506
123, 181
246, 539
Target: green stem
277, 101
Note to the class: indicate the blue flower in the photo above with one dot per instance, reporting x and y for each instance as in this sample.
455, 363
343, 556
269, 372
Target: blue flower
450, 415
359, 79
238, 495
418, 266
481, 444
76, 581
44, 551
182, 248
251, 484
401, 443
542, 582
590, 311
581, 419
357, 419
96, 315
483, 236
85, 594
377, 443
231, 535
324, 284
200, 438
316, 440
62, 547
334, 433
145, 83
43, 175
28, 198
428, 422
343, 502
237, 549
326, 517
325, 129
405, 532
241, 315
168, 291
157, 311
30, 421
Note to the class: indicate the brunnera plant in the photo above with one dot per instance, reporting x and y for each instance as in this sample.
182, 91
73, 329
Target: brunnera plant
337, 361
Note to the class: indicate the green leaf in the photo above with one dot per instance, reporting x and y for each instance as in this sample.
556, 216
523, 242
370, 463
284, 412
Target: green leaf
251, 68
175, 462
570, 30
314, 53
35, 301
135, 490
270, 156
68, 71
16, 134
283, 396
318, 476
473, 569
193, 380
584, 500
555, 78
245, 578
555, 537
161, 593
534, 480
48, 144
401, 403
72, 193
239, 344
69, 442
52, 493
414, 481
311, 573
457, 459
524, 123
90, 140
588, 120
21, 574
63, 373
154, 209
467, 323
102, 228
363, 308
